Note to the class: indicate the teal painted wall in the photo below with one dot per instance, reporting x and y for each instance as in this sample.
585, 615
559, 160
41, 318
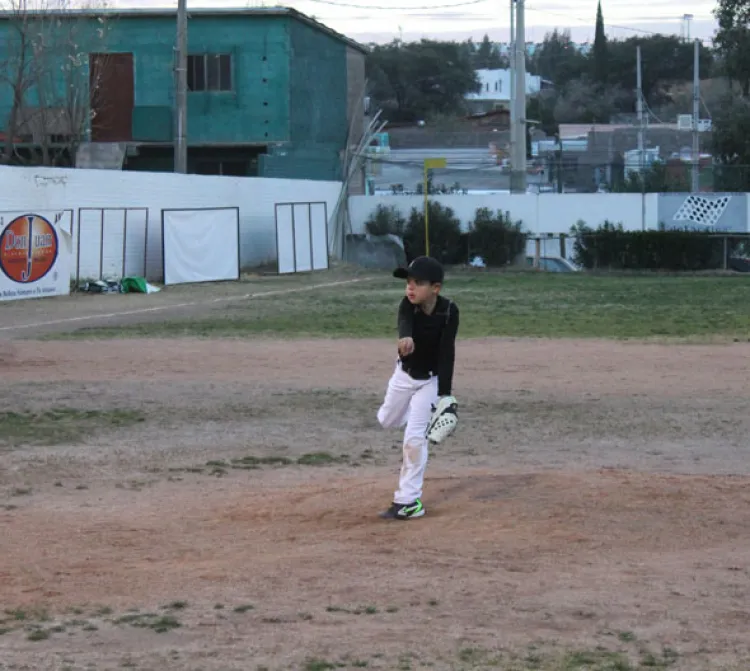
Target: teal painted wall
318, 87
318, 108
289, 87
256, 110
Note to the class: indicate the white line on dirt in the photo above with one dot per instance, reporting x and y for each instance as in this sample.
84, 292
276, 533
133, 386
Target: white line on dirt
124, 313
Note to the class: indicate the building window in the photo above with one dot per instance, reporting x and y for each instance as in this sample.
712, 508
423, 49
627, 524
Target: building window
209, 72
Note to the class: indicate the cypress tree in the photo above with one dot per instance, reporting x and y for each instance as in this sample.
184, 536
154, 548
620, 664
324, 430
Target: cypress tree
601, 64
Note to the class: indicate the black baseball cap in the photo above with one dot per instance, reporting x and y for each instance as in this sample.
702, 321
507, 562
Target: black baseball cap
423, 268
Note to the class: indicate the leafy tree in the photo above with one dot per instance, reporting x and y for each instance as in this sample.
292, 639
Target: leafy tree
541, 108
584, 101
731, 143
444, 230
496, 238
488, 56
386, 220
733, 40
411, 81
558, 59
664, 58
656, 178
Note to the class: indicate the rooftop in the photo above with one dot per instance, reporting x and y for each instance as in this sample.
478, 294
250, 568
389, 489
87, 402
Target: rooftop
195, 11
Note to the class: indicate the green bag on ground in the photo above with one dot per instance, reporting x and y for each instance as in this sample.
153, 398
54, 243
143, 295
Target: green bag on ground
134, 285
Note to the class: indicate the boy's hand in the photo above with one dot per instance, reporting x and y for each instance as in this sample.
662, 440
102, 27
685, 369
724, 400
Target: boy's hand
405, 346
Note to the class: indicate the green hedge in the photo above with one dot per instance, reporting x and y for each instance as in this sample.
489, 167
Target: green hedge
494, 237
611, 247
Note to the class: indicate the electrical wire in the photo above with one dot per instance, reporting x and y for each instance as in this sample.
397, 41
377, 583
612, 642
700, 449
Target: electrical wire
644, 31
650, 111
466, 3
333, 3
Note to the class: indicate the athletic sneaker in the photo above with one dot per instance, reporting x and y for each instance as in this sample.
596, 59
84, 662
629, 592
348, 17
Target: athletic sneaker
404, 511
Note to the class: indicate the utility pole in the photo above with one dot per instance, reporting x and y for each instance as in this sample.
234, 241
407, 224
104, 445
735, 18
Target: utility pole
641, 171
180, 147
518, 162
695, 187
512, 55
639, 108
686, 19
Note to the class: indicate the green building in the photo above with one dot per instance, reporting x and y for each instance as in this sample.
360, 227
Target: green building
271, 92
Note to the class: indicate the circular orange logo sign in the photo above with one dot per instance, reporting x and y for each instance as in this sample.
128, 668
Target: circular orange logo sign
28, 248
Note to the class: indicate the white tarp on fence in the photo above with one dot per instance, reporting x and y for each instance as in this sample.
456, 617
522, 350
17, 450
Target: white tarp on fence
110, 243
35, 253
201, 245
301, 236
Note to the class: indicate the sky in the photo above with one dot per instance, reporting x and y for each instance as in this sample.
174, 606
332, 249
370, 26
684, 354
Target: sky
383, 20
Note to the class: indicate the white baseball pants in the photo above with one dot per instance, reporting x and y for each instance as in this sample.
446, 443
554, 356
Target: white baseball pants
409, 402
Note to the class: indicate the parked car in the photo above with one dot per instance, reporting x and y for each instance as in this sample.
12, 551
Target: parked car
739, 264
553, 264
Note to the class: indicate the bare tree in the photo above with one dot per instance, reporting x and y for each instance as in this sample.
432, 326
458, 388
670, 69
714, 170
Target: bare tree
44, 64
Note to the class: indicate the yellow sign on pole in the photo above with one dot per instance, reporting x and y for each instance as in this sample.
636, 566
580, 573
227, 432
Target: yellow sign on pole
429, 164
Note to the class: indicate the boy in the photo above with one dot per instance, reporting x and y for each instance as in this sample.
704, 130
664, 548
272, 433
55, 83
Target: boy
427, 327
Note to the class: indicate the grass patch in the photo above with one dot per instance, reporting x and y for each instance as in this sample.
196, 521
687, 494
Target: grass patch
33, 615
321, 459
515, 304
62, 425
159, 623
244, 608
38, 635
176, 605
362, 610
318, 665
251, 463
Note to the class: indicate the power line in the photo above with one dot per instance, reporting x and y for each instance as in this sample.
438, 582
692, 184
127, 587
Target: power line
606, 25
332, 3
466, 3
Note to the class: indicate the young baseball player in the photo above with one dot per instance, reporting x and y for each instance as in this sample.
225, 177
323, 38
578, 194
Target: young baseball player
427, 327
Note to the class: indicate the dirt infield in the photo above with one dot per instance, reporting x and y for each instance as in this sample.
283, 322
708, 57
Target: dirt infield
213, 505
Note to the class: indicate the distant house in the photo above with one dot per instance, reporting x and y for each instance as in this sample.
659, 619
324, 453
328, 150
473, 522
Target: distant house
495, 90
271, 91
593, 156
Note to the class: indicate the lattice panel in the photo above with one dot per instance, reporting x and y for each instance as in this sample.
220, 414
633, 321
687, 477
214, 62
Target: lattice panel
702, 210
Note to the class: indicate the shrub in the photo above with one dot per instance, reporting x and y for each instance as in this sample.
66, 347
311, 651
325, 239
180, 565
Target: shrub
610, 246
444, 231
496, 238
385, 221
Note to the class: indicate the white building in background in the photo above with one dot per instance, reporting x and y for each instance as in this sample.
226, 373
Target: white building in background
495, 90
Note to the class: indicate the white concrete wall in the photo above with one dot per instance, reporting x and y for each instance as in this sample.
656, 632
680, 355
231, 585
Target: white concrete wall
540, 213
53, 188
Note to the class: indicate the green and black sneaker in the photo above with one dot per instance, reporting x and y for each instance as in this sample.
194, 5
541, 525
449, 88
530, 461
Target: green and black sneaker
404, 511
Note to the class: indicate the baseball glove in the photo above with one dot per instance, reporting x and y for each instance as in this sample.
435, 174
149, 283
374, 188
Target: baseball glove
444, 420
